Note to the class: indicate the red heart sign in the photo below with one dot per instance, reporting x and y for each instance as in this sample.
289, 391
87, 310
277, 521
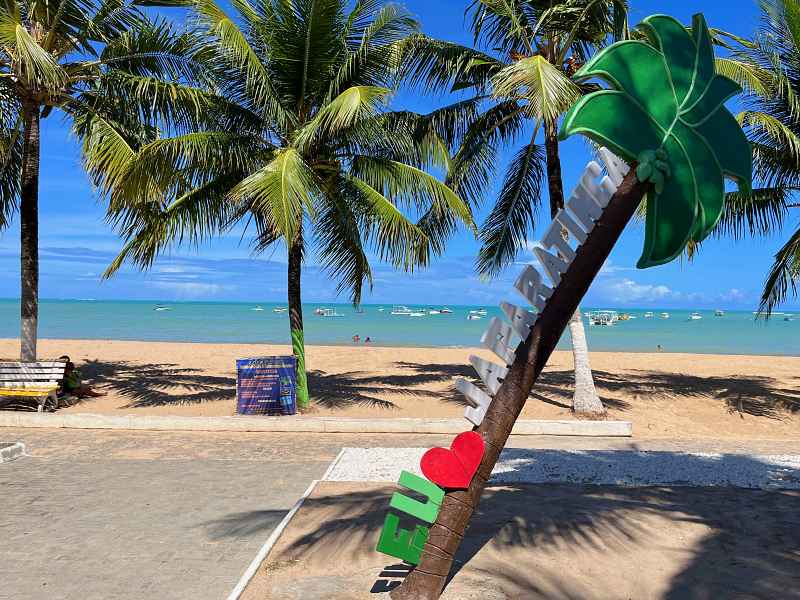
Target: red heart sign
454, 468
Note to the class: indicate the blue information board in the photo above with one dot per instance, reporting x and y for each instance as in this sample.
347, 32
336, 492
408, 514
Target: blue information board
266, 385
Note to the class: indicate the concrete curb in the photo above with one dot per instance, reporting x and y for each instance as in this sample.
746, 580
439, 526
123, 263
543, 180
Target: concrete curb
303, 424
9, 452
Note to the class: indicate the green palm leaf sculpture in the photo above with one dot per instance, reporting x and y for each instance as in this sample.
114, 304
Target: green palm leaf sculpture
676, 128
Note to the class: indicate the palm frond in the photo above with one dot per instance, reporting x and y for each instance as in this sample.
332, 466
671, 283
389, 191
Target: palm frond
545, 87
284, 188
506, 228
352, 105
783, 276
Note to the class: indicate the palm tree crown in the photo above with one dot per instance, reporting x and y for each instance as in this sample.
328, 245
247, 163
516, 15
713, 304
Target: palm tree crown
295, 133
72, 56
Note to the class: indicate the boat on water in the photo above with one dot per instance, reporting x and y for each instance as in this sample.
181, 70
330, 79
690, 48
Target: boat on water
788, 317
401, 310
648, 315
665, 315
320, 310
280, 309
473, 316
433, 311
257, 308
481, 311
604, 317
380, 309
719, 313
417, 313
695, 316
328, 312
445, 311
160, 308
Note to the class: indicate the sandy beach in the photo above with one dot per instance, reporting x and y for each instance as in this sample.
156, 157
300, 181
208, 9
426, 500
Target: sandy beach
552, 542
665, 395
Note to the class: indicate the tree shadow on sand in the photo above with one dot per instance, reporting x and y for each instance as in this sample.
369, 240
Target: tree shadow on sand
740, 542
162, 384
746, 394
361, 388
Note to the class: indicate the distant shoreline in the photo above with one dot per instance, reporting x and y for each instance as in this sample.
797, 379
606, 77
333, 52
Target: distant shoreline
287, 346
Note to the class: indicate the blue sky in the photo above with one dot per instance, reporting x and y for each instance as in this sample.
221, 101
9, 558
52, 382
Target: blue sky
76, 244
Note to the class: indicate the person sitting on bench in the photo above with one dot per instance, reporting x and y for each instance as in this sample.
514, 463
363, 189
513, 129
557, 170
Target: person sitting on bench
72, 385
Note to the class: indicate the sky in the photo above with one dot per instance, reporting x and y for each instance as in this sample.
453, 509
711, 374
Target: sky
76, 244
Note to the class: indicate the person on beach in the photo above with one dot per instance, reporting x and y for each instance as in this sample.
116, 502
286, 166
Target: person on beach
356, 338
72, 384
367, 340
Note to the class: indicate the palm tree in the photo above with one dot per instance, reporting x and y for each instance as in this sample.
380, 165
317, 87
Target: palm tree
297, 141
663, 113
525, 90
70, 56
768, 67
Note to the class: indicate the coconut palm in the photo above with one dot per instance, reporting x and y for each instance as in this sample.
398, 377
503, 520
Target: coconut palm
768, 67
68, 56
524, 86
663, 112
298, 142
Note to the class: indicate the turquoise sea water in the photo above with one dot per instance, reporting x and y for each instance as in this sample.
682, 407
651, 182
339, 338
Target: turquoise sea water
734, 333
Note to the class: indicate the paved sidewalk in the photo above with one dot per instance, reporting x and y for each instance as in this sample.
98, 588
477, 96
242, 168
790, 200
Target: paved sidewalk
115, 515
126, 518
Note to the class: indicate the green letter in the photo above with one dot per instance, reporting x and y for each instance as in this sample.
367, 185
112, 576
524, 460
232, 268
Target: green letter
424, 512
399, 543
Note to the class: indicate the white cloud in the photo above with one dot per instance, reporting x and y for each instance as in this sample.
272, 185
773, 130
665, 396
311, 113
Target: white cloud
627, 290
188, 290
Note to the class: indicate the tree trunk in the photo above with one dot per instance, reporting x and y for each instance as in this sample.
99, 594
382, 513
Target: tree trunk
427, 580
585, 401
29, 234
296, 315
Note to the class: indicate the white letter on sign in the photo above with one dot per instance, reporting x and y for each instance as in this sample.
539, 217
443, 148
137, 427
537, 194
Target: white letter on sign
554, 265
489, 372
498, 338
521, 319
530, 285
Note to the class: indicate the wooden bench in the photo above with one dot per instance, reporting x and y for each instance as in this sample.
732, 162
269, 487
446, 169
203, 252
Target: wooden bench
38, 380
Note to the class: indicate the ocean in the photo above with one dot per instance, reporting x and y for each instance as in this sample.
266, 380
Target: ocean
737, 332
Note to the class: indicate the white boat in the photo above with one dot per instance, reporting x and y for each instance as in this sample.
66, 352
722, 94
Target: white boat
648, 315
665, 315
417, 313
280, 309
445, 311
719, 313
604, 317
473, 316
257, 308
380, 309
695, 316
329, 312
160, 308
788, 318
481, 312
320, 311
401, 310
433, 311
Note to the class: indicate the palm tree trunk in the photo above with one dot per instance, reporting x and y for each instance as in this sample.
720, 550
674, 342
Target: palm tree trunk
296, 315
585, 401
427, 580
29, 234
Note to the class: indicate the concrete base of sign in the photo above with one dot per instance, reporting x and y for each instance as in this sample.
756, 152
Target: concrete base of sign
303, 424
11, 450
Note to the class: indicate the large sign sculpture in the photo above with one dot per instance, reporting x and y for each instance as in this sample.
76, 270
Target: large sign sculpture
663, 115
